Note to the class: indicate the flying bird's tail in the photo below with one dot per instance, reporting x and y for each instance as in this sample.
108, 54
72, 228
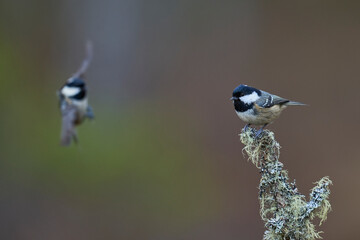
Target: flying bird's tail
86, 62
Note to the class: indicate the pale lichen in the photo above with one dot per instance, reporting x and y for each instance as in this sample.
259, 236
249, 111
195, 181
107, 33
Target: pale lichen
286, 213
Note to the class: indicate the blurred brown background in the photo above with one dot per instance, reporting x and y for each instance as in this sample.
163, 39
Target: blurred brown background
163, 159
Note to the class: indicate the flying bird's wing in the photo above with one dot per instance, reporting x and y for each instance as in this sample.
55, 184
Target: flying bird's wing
89, 112
268, 100
68, 132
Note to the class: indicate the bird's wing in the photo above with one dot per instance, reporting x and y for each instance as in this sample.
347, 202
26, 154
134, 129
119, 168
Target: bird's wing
89, 112
268, 100
68, 113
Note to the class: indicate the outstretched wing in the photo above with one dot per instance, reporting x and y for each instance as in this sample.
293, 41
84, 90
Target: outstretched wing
68, 132
268, 100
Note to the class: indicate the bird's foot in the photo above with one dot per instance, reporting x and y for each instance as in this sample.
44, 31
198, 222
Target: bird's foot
246, 127
259, 133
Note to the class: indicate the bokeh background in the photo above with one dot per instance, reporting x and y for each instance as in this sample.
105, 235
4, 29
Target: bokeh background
163, 158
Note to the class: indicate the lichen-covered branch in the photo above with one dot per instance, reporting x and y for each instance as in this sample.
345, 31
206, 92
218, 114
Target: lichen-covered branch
286, 213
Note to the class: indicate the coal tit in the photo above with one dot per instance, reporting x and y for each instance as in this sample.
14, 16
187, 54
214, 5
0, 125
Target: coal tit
256, 107
73, 101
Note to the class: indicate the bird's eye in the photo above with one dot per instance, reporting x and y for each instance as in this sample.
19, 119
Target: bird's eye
241, 94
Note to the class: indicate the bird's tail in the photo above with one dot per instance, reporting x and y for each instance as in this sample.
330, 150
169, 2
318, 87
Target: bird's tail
86, 62
292, 103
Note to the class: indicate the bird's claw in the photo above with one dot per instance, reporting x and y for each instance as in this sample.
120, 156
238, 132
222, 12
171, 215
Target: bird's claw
259, 133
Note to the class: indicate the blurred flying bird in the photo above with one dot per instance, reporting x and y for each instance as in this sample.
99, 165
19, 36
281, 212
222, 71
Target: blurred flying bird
74, 102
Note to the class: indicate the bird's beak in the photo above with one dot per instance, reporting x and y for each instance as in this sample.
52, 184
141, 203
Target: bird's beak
233, 98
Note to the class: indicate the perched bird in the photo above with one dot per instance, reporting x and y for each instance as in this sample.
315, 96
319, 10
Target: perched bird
256, 107
73, 101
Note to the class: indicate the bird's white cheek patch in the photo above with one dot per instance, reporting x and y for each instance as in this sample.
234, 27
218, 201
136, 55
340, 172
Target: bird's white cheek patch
70, 91
250, 98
